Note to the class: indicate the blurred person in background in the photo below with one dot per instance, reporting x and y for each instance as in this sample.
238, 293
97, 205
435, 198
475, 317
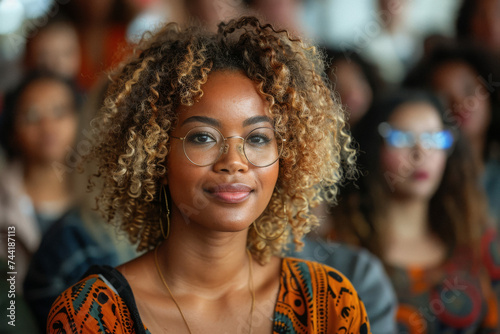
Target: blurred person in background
55, 48
467, 78
149, 14
419, 208
101, 27
80, 239
210, 13
396, 46
282, 14
38, 125
479, 21
356, 81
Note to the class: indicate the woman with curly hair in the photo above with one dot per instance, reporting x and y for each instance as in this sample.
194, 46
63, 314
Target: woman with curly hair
420, 209
209, 149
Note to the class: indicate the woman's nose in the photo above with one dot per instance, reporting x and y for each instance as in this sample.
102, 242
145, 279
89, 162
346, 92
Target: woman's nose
232, 158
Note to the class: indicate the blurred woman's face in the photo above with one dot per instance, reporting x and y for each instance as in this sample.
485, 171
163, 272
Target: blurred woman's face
281, 13
57, 50
211, 13
46, 122
467, 97
354, 90
413, 171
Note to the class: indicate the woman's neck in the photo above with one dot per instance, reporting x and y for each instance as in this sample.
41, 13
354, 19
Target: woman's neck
407, 218
408, 239
209, 274
43, 184
197, 258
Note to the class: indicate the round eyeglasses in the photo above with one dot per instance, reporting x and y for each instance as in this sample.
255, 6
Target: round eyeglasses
204, 145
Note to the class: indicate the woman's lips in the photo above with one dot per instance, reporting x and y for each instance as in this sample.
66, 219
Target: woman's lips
230, 192
420, 175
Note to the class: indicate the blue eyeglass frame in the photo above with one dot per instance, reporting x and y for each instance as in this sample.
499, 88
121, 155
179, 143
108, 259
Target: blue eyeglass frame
442, 140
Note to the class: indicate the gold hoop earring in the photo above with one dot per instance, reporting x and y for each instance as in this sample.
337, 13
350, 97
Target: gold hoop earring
265, 237
164, 193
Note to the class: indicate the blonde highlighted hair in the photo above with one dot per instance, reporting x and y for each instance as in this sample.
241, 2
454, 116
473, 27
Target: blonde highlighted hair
167, 70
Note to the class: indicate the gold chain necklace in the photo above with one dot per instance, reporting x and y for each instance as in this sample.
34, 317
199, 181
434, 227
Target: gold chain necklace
250, 288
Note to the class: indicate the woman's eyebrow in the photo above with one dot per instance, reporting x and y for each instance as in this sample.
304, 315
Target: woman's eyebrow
257, 119
213, 122
203, 119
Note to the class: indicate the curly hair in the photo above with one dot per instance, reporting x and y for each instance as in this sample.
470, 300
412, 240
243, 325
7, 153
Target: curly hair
168, 69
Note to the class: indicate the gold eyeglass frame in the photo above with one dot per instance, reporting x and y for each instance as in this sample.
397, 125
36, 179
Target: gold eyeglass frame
224, 146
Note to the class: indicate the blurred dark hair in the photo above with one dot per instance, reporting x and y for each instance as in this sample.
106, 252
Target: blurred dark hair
9, 112
452, 51
333, 57
456, 210
120, 12
464, 18
478, 59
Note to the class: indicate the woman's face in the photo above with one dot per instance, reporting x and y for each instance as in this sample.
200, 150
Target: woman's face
467, 97
46, 122
413, 172
354, 90
231, 193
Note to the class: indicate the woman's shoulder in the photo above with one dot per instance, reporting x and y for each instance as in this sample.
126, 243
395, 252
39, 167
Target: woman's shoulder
363, 269
317, 279
308, 270
314, 295
100, 302
366, 273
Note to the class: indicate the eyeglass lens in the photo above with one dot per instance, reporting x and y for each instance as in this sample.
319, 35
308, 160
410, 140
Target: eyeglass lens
204, 145
429, 140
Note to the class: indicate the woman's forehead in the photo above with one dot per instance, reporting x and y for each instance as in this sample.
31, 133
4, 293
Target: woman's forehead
416, 116
228, 96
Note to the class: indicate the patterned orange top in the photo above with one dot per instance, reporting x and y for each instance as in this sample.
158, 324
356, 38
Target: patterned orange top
312, 298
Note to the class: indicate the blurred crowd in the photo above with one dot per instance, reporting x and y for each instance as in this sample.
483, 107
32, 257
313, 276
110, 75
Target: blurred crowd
424, 112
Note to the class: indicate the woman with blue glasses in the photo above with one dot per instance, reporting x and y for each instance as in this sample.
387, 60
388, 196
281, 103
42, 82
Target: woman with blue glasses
419, 208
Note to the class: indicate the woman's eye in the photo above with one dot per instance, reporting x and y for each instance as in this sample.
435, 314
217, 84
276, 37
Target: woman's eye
258, 139
201, 138
32, 117
441, 140
401, 139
